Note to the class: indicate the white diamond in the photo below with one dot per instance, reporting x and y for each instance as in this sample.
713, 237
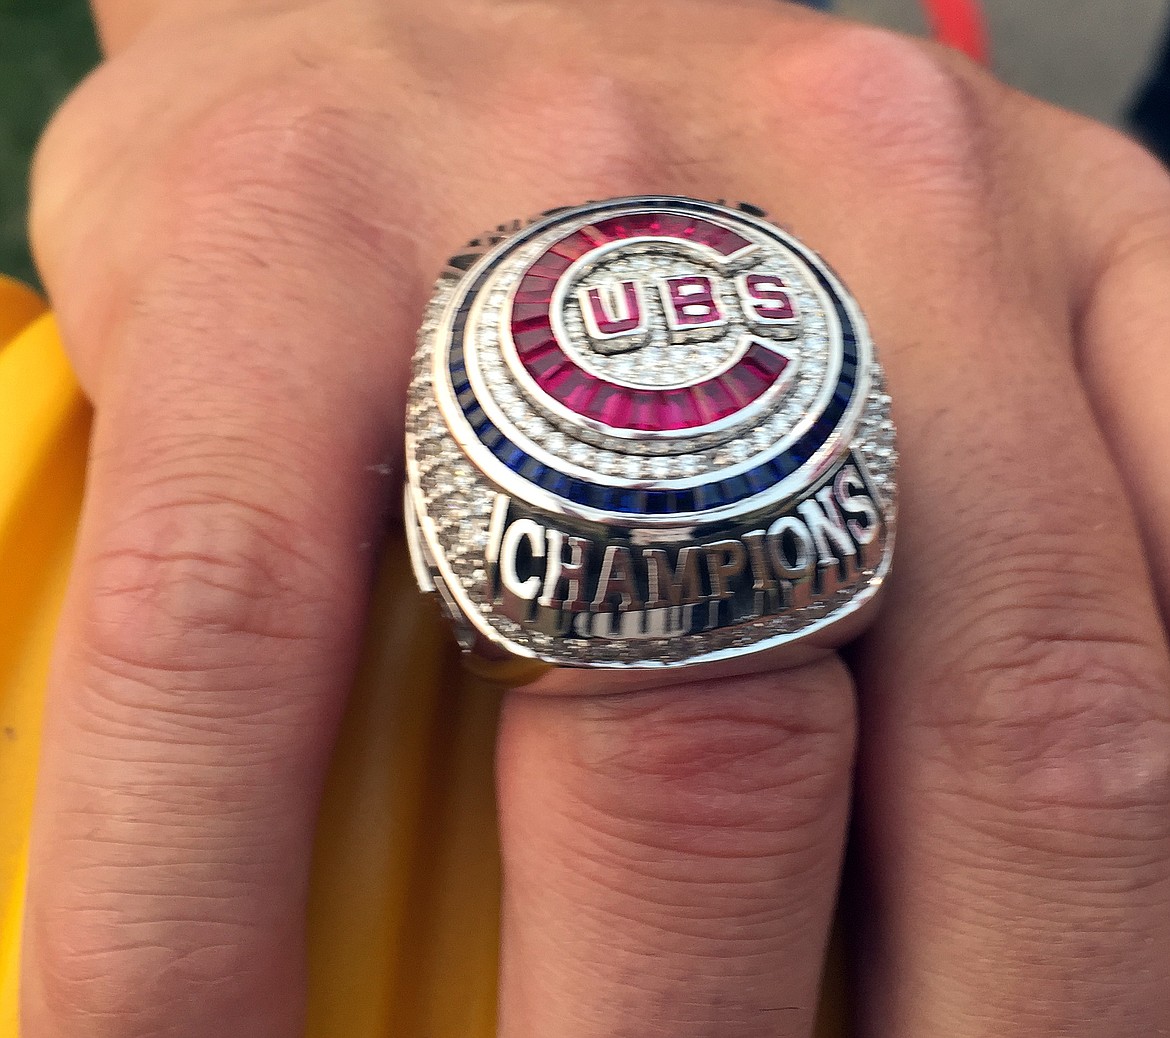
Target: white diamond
580, 453
660, 468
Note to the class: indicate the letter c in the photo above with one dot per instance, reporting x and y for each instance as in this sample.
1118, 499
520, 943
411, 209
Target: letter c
527, 590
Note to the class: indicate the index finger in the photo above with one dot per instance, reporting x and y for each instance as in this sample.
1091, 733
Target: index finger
211, 624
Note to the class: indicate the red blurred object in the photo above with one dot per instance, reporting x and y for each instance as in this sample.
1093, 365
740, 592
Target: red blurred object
960, 24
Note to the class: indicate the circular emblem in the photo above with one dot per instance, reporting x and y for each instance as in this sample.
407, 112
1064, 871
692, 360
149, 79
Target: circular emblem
646, 432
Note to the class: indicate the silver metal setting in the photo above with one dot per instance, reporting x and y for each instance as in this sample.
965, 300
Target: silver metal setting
647, 432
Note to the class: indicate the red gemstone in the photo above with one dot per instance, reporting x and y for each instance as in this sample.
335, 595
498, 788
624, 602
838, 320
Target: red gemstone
763, 363
643, 224
719, 238
532, 338
692, 301
549, 266
613, 229
644, 411
712, 401
524, 312
540, 293
545, 366
537, 326
743, 385
609, 319
612, 406
673, 226
573, 247
556, 381
768, 361
768, 297
594, 236
675, 411
539, 353
578, 392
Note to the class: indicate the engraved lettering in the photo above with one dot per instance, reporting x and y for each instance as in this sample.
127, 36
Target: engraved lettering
567, 577
617, 579
578, 585
725, 562
613, 309
678, 588
792, 548
690, 302
527, 588
766, 299
793, 553
827, 527
496, 528
850, 491
758, 555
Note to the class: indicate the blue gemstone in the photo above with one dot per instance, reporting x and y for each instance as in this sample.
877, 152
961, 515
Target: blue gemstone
556, 483
800, 453
580, 492
658, 502
706, 496
513, 457
782, 468
758, 480
823, 427
735, 487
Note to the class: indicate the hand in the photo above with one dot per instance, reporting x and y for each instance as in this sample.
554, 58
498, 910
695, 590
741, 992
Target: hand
239, 216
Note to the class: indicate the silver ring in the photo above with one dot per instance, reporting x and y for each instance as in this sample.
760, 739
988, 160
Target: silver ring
648, 432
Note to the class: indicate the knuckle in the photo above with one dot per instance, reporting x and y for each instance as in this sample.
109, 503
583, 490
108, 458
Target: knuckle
1110, 154
1141, 242
286, 164
284, 138
740, 763
71, 165
1062, 704
199, 576
98, 973
585, 121
889, 103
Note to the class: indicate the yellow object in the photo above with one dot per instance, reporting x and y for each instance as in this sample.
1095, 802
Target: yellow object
19, 306
405, 896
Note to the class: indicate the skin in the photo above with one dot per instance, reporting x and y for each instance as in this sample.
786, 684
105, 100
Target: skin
239, 216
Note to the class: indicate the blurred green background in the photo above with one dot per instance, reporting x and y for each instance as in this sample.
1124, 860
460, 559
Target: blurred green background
45, 47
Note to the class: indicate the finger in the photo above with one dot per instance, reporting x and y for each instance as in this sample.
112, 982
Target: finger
1015, 725
1125, 344
671, 856
210, 628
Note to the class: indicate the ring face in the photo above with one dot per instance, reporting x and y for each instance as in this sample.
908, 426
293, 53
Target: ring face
646, 432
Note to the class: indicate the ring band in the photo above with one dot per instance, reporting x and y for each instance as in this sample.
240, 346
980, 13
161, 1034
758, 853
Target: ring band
648, 432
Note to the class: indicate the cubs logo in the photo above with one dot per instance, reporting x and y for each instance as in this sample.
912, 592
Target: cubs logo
576, 285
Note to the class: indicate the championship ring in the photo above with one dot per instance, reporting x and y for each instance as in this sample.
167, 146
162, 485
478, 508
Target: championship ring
647, 432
